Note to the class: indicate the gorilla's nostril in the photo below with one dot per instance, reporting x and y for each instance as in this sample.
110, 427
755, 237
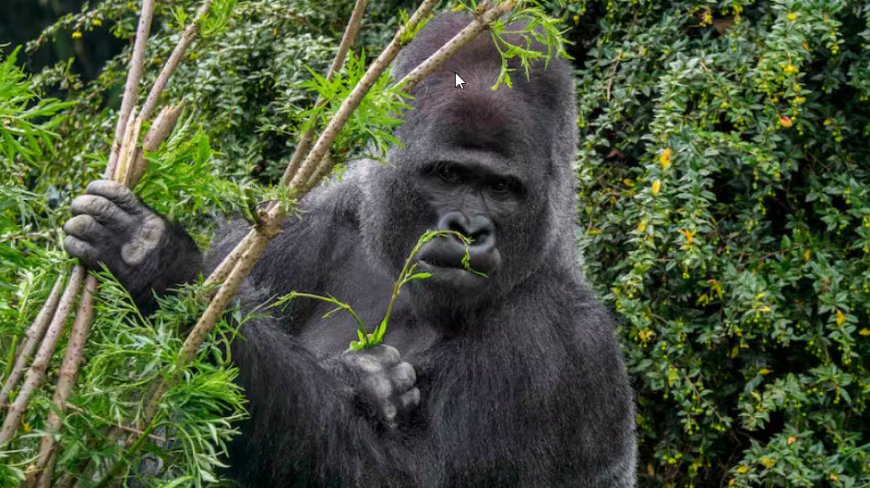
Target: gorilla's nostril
479, 228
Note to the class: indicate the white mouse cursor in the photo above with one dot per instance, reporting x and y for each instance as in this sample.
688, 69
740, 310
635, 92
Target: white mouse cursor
459, 82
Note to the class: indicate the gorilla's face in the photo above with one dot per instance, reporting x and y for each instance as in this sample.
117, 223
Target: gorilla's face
493, 165
474, 166
471, 198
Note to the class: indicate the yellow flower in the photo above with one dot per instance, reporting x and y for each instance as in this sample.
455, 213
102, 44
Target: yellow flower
688, 234
792, 16
864, 332
807, 255
641, 226
742, 469
645, 335
791, 440
785, 121
790, 69
76, 35
841, 317
656, 187
833, 477
707, 18
767, 462
665, 158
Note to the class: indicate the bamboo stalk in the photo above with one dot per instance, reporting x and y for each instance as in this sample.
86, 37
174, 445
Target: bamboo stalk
477, 25
66, 381
229, 262
34, 334
131, 87
36, 373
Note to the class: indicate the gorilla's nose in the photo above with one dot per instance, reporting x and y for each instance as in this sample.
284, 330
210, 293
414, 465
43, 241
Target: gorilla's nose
479, 229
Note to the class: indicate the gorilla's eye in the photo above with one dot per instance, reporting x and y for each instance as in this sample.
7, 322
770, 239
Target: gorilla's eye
503, 187
448, 172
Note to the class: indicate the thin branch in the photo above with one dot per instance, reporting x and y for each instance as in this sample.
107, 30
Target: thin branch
299, 181
32, 337
163, 125
322, 171
131, 87
187, 37
36, 373
350, 33
67, 378
128, 146
229, 262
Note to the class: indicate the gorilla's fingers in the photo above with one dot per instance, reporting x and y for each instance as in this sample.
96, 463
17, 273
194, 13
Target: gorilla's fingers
378, 387
362, 361
410, 400
80, 249
119, 194
403, 376
388, 356
84, 227
102, 209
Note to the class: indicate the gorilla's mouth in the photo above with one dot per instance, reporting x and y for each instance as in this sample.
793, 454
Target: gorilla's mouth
443, 258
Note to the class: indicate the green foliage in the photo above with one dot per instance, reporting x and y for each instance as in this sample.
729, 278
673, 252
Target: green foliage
126, 354
26, 121
725, 195
536, 27
369, 132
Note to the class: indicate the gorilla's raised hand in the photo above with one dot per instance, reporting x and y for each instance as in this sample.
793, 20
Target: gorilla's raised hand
144, 251
382, 383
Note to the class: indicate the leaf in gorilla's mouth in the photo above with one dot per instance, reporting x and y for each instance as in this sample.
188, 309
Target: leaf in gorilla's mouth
450, 254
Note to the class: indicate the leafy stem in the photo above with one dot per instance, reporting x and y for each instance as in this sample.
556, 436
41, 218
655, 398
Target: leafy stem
407, 275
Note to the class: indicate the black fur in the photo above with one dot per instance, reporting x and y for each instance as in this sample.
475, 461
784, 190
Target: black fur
519, 377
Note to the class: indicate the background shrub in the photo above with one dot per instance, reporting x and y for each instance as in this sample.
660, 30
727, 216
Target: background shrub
725, 205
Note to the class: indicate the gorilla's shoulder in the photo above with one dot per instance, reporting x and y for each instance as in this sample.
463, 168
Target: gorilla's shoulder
320, 236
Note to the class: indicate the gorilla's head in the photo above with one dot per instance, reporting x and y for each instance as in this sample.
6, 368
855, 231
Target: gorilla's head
493, 165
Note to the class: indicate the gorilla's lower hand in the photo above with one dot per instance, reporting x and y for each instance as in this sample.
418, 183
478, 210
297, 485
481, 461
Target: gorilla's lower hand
381, 382
111, 226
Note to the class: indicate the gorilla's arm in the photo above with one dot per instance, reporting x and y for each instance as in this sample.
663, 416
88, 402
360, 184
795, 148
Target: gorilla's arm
311, 417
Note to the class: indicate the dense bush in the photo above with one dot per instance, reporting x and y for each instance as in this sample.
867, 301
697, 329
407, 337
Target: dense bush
725, 205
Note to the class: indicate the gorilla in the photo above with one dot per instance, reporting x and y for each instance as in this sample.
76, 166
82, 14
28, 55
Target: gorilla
510, 379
